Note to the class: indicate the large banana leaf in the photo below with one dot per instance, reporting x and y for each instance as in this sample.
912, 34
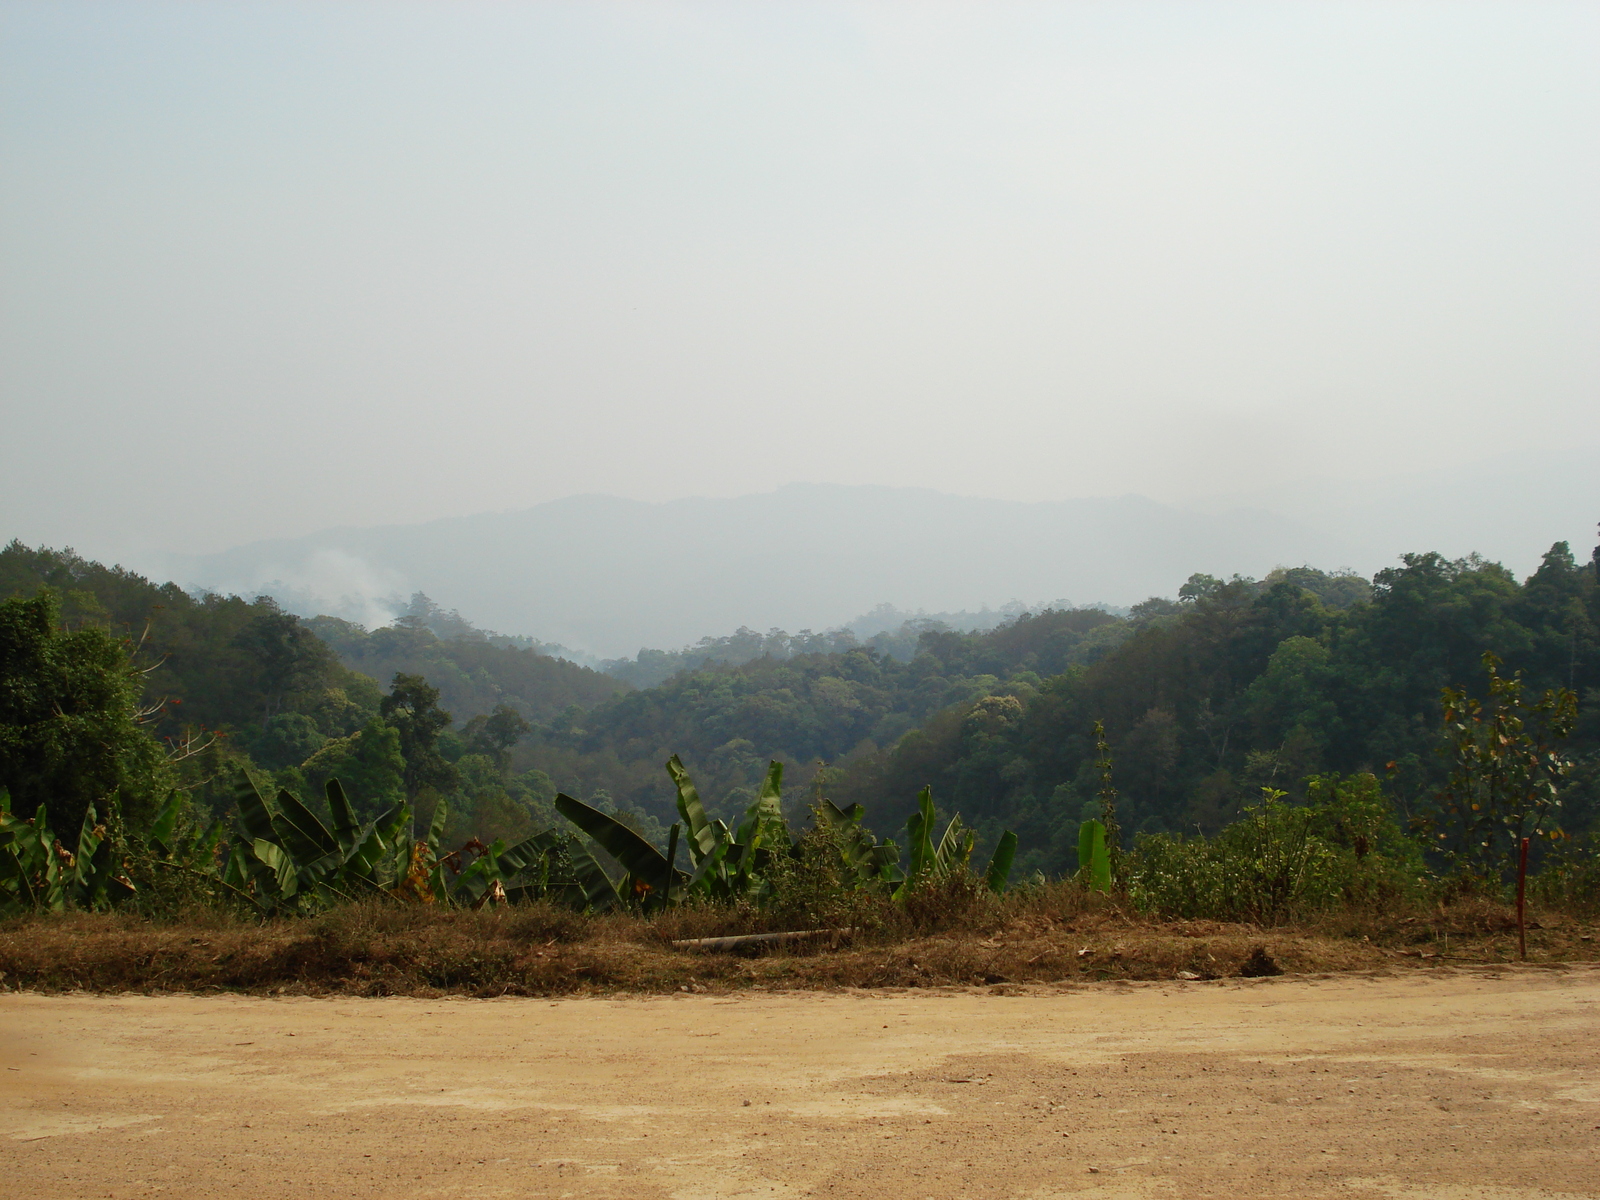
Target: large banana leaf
91, 835
372, 861
590, 887
95, 879
280, 869
160, 836
563, 870
254, 813
441, 818
955, 847
919, 836
703, 833
1005, 853
346, 826
30, 872
316, 852
1094, 863
763, 825
638, 857
259, 866
236, 871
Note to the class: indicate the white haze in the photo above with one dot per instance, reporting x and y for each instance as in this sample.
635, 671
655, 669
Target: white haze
274, 268
607, 576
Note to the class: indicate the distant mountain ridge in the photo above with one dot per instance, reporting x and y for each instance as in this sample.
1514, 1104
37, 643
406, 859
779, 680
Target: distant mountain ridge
608, 575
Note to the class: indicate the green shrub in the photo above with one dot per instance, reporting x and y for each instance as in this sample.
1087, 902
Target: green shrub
1281, 861
1571, 876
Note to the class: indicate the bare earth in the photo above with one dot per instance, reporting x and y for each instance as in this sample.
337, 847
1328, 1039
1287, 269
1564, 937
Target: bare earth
1440, 1084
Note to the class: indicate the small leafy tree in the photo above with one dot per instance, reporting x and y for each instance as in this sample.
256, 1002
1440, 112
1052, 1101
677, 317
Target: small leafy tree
1506, 773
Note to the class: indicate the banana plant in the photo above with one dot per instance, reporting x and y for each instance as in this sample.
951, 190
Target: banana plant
871, 864
30, 865
647, 871
283, 856
1000, 862
724, 864
95, 877
282, 852
714, 852
930, 859
1094, 859
729, 864
546, 865
38, 873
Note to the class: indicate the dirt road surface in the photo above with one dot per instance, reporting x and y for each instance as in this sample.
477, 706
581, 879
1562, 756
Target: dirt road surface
1467, 1086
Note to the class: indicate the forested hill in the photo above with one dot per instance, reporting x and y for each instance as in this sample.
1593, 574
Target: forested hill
1234, 685
473, 671
1247, 685
298, 698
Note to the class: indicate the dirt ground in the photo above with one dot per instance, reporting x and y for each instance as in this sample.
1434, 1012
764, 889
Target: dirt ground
1449, 1084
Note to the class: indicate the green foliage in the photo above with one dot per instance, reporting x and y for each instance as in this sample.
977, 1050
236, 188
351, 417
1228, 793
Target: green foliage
1378, 861
1110, 832
1094, 860
816, 887
755, 862
70, 722
283, 858
1236, 684
726, 864
475, 672
208, 662
646, 867
493, 735
998, 873
930, 859
369, 761
865, 863
1241, 685
1506, 775
933, 861
1570, 875
412, 709
1281, 861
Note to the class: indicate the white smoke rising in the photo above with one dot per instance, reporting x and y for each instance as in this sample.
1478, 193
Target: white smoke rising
326, 581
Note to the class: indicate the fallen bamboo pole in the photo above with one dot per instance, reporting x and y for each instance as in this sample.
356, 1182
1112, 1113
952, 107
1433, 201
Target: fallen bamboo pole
746, 940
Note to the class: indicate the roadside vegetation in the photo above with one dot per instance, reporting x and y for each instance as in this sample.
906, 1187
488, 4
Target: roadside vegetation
397, 849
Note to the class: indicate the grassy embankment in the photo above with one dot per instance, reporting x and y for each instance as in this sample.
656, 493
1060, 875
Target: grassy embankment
1054, 934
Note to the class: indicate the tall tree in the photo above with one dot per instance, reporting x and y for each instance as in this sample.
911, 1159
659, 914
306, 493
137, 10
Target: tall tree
412, 708
70, 732
495, 734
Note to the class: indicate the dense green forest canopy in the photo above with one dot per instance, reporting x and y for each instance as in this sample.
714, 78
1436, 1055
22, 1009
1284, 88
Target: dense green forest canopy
229, 681
1233, 685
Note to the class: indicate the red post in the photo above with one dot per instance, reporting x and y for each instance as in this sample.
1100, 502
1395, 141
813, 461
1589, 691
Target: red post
1522, 910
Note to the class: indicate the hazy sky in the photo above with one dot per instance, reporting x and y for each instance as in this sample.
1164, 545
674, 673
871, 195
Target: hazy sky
268, 268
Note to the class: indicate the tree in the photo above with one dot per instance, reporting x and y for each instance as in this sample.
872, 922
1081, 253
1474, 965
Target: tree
412, 709
287, 655
494, 735
70, 733
368, 764
1506, 772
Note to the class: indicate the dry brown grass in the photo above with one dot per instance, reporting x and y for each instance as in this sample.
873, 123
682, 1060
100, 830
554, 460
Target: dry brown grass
1049, 935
